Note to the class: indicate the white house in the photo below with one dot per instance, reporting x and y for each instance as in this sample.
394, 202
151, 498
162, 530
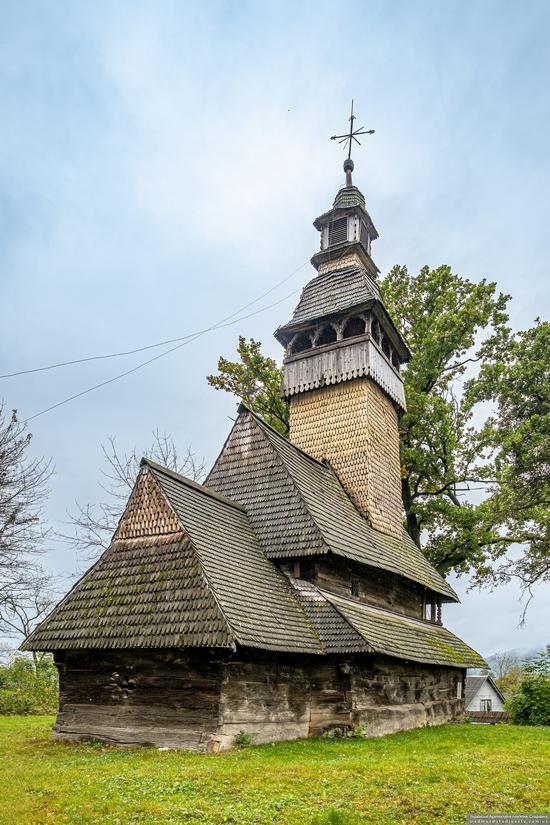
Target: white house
482, 695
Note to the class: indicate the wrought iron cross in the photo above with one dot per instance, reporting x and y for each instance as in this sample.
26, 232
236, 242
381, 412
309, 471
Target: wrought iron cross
352, 134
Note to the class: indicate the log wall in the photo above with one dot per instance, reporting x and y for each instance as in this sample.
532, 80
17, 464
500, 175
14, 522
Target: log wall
200, 701
378, 588
166, 699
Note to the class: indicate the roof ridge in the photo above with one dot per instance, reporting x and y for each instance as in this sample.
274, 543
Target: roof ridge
263, 423
264, 426
202, 488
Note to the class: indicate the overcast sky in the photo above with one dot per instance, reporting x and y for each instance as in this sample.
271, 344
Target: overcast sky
161, 164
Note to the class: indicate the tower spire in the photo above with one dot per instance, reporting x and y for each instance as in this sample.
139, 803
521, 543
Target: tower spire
347, 141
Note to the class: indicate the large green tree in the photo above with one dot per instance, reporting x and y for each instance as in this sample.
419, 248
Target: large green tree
475, 436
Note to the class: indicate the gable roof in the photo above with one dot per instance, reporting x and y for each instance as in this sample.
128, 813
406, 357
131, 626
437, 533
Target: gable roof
297, 506
474, 684
184, 569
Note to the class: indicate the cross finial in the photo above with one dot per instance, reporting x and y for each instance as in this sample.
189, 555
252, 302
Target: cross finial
348, 139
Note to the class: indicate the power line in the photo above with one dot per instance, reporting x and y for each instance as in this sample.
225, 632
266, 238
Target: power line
224, 323
191, 336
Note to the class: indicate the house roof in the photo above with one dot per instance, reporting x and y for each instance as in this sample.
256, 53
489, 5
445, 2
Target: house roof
474, 684
334, 292
339, 291
186, 566
297, 506
184, 569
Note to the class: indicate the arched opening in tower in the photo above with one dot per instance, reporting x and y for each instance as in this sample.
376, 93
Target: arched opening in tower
354, 326
301, 343
327, 335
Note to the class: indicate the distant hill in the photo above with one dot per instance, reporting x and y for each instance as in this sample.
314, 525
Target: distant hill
519, 654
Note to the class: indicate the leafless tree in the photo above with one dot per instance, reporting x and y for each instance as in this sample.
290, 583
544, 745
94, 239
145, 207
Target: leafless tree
503, 662
94, 524
21, 613
23, 490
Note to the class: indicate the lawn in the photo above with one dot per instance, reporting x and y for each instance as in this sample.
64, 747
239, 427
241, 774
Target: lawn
424, 776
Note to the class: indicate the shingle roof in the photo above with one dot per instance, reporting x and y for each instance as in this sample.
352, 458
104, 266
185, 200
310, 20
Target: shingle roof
185, 567
253, 594
204, 581
404, 637
297, 506
333, 292
336, 634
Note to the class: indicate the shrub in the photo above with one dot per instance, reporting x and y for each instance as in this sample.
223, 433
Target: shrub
28, 687
244, 739
531, 703
358, 732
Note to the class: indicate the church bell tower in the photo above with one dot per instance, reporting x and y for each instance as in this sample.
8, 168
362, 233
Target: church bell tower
343, 357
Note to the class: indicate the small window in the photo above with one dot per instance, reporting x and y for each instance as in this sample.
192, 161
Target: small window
354, 326
327, 336
355, 587
486, 705
338, 231
459, 690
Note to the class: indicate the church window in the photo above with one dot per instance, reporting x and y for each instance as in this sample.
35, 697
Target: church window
301, 343
353, 326
338, 231
355, 587
327, 335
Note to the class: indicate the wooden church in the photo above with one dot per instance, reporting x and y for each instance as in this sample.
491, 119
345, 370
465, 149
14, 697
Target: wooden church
282, 597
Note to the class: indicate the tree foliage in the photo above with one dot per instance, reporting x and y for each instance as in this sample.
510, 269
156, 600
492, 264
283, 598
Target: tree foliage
93, 525
28, 687
530, 705
256, 380
475, 437
519, 384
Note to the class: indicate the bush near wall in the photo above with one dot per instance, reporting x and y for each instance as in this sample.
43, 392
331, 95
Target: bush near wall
28, 687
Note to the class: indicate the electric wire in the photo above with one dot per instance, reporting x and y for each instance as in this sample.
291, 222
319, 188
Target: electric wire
190, 336
226, 322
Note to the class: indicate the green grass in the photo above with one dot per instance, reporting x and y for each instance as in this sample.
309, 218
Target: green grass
424, 776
